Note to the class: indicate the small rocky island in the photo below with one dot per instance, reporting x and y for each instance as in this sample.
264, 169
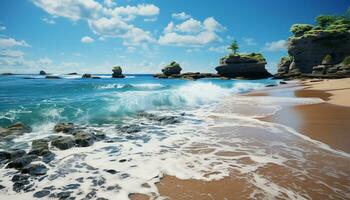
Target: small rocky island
321, 50
246, 66
117, 72
173, 70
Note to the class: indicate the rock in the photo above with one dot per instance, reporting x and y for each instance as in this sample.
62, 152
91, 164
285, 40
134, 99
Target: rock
17, 153
2, 187
64, 127
7, 74
20, 182
40, 147
117, 72
73, 73
15, 130
134, 128
164, 120
247, 66
35, 169
63, 195
41, 193
4, 155
271, 85
111, 171
83, 139
42, 72
283, 83
86, 76
21, 162
63, 143
171, 69
52, 77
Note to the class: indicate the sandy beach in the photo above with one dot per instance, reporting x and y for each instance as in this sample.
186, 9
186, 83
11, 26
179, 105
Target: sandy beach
325, 122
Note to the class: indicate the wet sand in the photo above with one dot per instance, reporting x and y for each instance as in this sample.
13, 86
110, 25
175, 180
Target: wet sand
325, 122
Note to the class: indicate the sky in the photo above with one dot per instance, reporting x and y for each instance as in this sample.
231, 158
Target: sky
92, 36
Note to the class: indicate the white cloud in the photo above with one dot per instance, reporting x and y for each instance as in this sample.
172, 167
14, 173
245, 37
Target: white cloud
181, 16
105, 20
249, 41
12, 53
189, 26
2, 28
279, 45
219, 49
191, 33
87, 39
49, 21
44, 62
10, 42
153, 19
109, 3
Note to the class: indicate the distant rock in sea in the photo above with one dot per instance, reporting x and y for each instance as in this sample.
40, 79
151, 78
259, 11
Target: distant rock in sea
7, 74
42, 72
247, 66
73, 73
117, 72
86, 76
173, 70
52, 77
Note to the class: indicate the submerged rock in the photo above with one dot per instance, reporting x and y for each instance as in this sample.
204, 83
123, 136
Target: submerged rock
35, 169
21, 162
164, 120
20, 182
86, 76
129, 128
52, 77
83, 139
41, 193
15, 130
40, 147
63, 143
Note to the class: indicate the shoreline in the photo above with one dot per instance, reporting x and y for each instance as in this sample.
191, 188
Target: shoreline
315, 121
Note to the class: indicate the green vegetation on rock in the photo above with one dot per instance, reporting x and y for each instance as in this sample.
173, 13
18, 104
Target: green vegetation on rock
234, 47
346, 61
253, 56
325, 24
327, 59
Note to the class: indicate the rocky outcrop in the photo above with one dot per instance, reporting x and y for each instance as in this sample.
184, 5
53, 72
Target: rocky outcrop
63, 143
319, 50
172, 69
188, 76
52, 77
86, 76
42, 72
117, 72
248, 66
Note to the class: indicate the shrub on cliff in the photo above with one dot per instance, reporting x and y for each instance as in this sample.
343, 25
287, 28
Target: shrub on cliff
327, 59
346, 60
300, 29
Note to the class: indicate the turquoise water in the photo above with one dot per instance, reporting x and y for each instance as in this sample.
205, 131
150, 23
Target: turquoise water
106, 100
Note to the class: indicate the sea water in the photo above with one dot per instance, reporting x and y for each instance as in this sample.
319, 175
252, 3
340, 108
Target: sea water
216, 131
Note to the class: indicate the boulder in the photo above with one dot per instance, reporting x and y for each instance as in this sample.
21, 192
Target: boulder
35, 169
117, 72
86, 76
63, 143
15, 129
21, 162
247, 66
42, 72
171, 69
64, 127
83, 139
73, 73
40, 147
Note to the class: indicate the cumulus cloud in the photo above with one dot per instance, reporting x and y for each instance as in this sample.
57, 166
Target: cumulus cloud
10, 42
2, 28
249, 41
106, 19
191, 32
12, 53
87, 39
219, 49
279, 45
181, 16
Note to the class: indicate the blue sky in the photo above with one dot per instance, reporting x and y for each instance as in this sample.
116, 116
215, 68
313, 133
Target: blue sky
92, 36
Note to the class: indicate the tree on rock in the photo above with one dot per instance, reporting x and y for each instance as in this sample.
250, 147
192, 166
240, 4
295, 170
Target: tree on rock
234, 47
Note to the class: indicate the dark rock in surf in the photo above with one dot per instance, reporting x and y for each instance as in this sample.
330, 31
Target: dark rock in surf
83, 139
41, 193
35, 169
64, 127
129, 128
15, 129
52, 77
21, 162
86, 76
40, 147
63, 143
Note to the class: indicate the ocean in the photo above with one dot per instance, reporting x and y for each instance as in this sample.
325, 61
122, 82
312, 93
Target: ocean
201, 130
